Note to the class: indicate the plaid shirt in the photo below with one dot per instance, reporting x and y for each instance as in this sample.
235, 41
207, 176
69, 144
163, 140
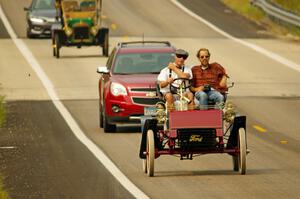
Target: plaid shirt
212, 76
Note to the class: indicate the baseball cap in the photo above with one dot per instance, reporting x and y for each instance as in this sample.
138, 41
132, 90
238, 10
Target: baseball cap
181, 52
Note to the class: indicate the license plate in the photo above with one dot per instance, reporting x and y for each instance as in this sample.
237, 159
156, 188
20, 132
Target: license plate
149, 110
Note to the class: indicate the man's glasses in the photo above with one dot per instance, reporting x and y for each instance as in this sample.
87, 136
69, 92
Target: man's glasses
182, 56
206, 56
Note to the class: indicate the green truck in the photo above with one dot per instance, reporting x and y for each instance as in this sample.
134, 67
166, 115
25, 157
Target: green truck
79, 24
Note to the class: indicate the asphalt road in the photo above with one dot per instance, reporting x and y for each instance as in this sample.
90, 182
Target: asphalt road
265, 90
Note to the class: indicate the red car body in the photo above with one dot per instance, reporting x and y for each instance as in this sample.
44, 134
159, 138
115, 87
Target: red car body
125, 88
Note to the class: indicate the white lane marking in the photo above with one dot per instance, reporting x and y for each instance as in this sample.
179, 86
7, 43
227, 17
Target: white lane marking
8, 147
98, 153
259, 49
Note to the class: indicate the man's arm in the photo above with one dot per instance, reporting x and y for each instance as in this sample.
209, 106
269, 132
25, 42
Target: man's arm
195, 89
223, 82
178, 71
163, 84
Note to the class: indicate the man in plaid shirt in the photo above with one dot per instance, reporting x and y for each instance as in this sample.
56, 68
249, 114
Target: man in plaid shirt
209, 80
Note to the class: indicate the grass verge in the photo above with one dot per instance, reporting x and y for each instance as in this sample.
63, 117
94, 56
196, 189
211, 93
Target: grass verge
255, 14
3, 193
291, 5
2, 111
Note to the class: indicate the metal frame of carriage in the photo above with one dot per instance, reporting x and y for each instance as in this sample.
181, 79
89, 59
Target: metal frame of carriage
190, 133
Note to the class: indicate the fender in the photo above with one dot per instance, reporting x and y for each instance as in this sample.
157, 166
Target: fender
147, 123
239, 122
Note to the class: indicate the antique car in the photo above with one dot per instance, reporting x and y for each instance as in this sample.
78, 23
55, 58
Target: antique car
40, 16
190, 133
79, 24
127, 82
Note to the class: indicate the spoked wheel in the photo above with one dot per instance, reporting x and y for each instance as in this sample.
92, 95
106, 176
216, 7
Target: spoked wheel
243, 151
150, 153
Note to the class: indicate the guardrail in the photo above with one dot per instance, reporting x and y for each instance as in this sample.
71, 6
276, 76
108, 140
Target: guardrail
276, 12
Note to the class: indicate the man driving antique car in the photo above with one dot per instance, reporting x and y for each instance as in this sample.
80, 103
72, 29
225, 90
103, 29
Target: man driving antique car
173, 71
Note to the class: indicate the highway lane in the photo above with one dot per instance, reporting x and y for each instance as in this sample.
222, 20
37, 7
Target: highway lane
269, 99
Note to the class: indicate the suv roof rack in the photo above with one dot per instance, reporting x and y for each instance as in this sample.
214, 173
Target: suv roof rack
127, 44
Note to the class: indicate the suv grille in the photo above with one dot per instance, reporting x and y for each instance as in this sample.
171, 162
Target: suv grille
81, 33
143, 89
145, 101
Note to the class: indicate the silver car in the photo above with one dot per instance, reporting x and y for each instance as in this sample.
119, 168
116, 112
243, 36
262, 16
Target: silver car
41, 14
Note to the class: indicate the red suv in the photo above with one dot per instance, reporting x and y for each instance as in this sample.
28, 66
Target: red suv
127, 82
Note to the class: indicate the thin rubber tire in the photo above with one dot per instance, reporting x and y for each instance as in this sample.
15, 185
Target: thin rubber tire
150, 153
243, 151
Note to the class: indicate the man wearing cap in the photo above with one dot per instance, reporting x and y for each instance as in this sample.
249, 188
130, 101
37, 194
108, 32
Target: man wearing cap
209, 80
174, 70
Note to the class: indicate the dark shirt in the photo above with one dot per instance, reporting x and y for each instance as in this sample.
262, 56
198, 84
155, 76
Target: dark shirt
212, 76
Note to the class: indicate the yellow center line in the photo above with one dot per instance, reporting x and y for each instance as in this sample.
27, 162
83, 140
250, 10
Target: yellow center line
283, 141
259, 128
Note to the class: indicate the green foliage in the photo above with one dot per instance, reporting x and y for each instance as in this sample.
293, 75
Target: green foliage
3, 194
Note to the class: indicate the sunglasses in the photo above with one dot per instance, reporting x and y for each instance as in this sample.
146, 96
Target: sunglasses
206, 56
182, 56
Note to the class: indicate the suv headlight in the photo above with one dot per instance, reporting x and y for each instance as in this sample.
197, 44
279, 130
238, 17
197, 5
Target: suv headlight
117, 89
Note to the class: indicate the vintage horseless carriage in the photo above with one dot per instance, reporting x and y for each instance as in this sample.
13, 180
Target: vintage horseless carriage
189, 133
80, 24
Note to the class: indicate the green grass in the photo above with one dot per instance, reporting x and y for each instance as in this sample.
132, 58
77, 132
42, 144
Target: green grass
255, 14
291, 5
243, 7
3, 193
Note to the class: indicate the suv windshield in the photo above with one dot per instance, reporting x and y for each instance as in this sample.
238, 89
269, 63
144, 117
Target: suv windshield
44, 4
141, 63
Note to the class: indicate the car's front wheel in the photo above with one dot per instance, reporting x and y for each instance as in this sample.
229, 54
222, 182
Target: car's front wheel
29, 34
100, 116
107, 127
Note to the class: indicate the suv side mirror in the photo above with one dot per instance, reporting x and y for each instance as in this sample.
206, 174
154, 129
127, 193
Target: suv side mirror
102, 69
26, 9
